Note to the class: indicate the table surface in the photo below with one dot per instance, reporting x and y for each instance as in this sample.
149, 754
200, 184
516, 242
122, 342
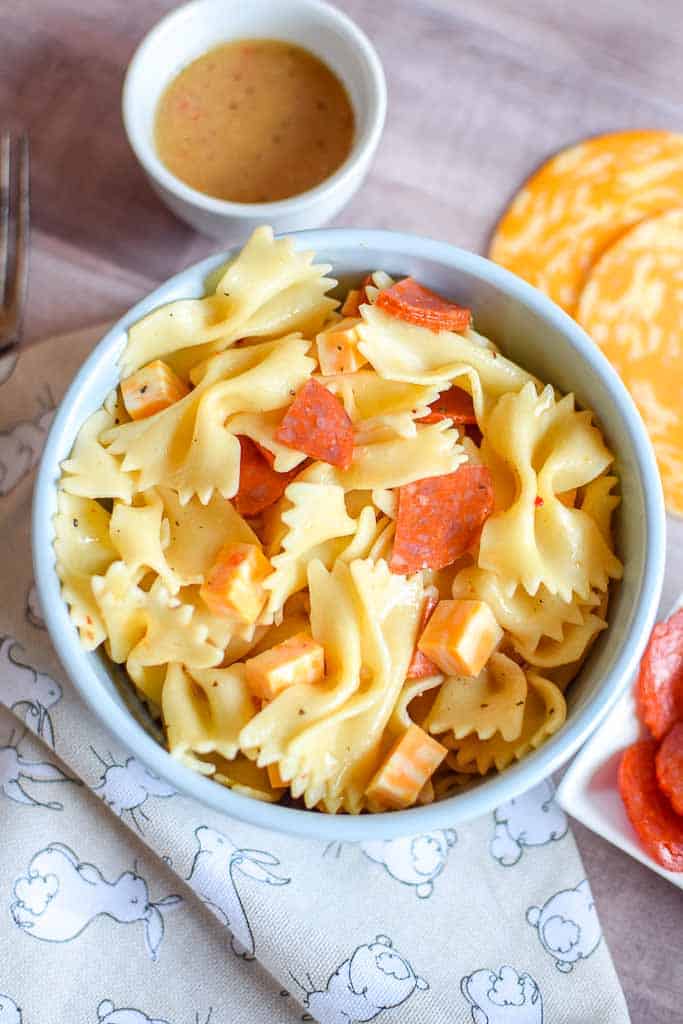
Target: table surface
479, 94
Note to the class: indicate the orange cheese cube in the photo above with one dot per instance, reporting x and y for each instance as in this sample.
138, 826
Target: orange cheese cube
412, 760
234, 587
338, 348
352, 302
150, 389
296, 660
274, 777
460, 637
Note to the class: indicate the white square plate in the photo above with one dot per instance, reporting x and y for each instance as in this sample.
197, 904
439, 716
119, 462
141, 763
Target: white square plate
589, 789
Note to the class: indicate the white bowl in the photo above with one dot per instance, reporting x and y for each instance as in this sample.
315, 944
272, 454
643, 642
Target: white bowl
538, 335
188, 32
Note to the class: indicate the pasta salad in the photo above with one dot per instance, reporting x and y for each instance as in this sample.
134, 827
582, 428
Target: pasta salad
350, 558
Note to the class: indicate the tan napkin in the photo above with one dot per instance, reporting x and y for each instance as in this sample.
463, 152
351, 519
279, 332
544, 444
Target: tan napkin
175, 914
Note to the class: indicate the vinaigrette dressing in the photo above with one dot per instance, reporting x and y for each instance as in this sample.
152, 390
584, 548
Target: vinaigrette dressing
253, 121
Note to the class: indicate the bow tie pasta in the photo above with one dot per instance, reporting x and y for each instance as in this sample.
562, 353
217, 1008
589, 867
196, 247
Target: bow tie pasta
350, 559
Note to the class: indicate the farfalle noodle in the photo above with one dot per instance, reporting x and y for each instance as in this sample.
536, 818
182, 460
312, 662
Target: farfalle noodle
204, 712
83, 549
196, 533
268, 289
139, 533
492, 702
93, 471
543, 628
545, 711
537, 540
188, 447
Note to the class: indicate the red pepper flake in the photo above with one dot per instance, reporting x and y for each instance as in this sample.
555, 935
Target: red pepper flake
538, 501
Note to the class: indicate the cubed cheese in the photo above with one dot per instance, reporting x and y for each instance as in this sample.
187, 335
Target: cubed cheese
406, 769
296, 660
274, 777
338, 348
152, 388
352, 302
460, 637
234, 586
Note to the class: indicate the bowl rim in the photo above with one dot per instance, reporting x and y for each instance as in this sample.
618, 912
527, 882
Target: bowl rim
519, 777
361, 151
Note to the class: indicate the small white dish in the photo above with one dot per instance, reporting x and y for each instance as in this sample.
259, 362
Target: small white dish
589, 790
188, 32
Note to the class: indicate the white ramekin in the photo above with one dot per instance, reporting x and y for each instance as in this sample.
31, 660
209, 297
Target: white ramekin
190, 30
533, 331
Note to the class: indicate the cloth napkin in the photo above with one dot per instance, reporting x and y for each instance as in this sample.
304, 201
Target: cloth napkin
123, 902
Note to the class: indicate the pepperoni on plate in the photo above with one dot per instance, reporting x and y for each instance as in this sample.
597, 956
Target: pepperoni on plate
408, 300
317, 423
659, 828
659, 690
669, 763
422, 667
260, 486
454, 404
440, 518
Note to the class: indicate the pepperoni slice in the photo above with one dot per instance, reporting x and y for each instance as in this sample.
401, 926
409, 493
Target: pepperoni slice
659, 690
659, 828
454, 404
408, 300
440, 518
267, 455
317, 423
422, 667
260, 486
669, 763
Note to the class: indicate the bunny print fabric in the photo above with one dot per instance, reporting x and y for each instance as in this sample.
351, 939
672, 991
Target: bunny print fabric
123, 902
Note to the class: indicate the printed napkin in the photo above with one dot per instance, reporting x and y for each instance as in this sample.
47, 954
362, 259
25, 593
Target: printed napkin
123, 902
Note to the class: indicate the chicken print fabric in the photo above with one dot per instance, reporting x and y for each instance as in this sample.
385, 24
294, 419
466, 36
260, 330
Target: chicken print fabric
123, 902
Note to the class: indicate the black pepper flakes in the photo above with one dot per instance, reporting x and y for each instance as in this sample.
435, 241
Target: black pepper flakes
75, 522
